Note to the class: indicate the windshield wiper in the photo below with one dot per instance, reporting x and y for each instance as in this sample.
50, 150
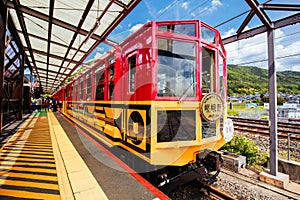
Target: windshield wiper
185, 92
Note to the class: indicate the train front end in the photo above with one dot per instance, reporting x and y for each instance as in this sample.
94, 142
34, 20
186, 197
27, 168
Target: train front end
189, 122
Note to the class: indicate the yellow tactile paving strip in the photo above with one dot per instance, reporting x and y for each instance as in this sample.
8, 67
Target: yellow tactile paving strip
40, 162
27, 164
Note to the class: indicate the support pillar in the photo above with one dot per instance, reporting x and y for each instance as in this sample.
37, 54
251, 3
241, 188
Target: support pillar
3, 26
272, 105
21, 88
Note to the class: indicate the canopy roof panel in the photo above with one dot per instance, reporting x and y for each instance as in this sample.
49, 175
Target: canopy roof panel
57, 35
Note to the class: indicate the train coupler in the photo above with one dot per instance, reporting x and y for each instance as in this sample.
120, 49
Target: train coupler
165, 180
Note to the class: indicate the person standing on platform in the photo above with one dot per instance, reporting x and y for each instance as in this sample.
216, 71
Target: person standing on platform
39, 103
33, 104
54, 105
47, 104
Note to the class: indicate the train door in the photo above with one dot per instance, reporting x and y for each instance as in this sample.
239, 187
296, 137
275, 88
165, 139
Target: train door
210, 74
133, 119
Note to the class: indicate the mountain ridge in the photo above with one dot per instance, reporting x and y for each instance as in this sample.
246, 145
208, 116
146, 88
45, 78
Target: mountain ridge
243, 80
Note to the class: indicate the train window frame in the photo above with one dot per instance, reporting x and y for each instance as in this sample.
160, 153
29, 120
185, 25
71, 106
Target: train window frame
208, 34
131, 72
99, 71
81, 88
212, 83
75, 93
110, 80
88, 84
222, 76
178, 28
178, 93
100, 84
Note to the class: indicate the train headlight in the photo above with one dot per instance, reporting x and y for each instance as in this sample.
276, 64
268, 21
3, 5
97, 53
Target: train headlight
228, 130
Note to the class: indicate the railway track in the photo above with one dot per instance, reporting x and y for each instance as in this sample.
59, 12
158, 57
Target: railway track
198, 190
259, 126
215, 193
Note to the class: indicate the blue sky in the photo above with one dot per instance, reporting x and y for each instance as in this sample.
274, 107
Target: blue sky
251, 52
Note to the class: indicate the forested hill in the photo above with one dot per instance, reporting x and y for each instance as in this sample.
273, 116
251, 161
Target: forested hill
248, 80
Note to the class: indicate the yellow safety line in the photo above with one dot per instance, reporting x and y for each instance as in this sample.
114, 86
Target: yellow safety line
31, 159
35, 157
7, 162
26, 152
25, 149
27, 169
30, 176
29, 184
25, 194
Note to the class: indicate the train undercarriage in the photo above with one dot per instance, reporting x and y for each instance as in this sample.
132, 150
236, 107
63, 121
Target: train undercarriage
205, 169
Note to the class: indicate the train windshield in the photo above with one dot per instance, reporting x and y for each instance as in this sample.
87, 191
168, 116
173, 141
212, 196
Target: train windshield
185, 29
176, 69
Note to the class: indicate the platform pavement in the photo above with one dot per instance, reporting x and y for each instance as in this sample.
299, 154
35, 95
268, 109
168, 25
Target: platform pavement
39, 161
27, 165
75, 177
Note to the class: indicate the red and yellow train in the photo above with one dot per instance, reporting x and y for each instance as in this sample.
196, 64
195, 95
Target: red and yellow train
160, 94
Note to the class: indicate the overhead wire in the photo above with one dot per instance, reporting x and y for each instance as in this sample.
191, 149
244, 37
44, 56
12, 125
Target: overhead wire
260, 42
196, 7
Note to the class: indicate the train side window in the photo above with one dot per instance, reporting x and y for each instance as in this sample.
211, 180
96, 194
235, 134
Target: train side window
208, 34
89, 86
99, 79
75, 90
132, 70
81, 89
100, 92
208, 71
111, 77
99, 74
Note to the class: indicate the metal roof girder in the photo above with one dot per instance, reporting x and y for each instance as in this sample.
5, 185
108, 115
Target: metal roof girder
51, 55
20, 16
280, 7
256, 7
290, 20
85, 13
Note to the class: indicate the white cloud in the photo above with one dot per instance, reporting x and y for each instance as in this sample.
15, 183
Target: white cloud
98, 55
135, 27
214, 5
254, 51
230, 32
288, 57
244, 52
185, 5
101, 49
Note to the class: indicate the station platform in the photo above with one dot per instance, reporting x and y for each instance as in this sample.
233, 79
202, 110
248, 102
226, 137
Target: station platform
48, 158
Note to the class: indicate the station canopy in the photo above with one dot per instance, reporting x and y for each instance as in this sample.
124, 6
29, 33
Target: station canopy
56, 36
